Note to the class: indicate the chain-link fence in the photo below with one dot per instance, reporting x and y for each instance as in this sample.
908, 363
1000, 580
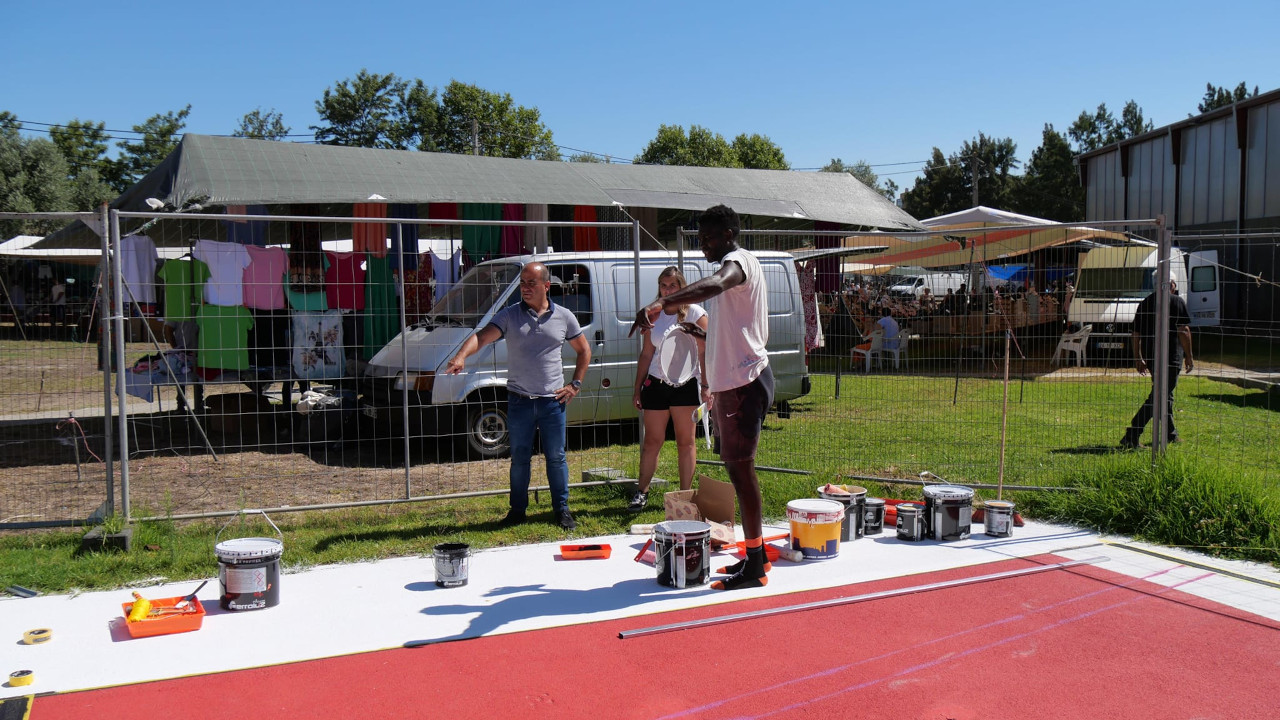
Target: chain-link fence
296, 361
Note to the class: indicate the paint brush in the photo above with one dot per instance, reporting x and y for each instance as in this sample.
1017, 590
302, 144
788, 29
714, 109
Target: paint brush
186, 599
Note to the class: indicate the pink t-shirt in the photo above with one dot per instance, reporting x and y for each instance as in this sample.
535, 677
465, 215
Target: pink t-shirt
264, 278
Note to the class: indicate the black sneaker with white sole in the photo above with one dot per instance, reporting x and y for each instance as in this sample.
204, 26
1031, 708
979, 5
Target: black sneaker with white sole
564, 519
638, 501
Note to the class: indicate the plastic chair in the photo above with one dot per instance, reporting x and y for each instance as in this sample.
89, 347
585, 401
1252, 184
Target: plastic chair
1073, 343
899, 348
877, 348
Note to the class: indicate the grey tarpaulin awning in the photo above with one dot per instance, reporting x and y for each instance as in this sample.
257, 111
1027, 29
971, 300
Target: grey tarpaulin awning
219, 171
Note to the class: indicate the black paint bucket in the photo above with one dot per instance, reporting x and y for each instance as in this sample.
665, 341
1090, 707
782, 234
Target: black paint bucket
873, 516
854, 501
249, 572
453, 563
910, 522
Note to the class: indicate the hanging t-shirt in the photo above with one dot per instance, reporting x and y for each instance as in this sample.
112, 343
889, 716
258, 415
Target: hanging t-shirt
264, 278
381, 311
181, 280
226, 262
369, 238
344, 281
224, 337
407, 231
138, 260
446, 271
317, 345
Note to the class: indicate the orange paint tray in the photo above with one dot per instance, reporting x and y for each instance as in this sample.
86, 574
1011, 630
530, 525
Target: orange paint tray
585, 552
186, 621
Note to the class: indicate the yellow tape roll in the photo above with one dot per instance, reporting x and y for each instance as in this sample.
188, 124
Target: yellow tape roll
37, 636
21, 677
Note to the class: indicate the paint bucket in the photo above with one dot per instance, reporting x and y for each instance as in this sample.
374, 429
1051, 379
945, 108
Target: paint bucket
948, 511
997, 518
249, 570
873, 516
453, 561
815, 527
683, 552
853, 501
910, 522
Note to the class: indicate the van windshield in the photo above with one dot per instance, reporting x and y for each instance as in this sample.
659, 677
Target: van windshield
467, 302
1136, 283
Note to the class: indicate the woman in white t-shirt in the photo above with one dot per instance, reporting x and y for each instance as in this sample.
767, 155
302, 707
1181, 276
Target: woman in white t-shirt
669, 384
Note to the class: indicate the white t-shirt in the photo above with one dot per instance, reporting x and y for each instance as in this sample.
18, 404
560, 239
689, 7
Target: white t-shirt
138, 265
226, 262
664, 326
739, 328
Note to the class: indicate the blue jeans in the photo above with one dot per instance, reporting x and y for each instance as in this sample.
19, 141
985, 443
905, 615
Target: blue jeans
524, 416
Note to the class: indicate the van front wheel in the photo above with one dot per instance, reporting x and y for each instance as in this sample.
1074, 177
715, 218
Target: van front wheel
486, 433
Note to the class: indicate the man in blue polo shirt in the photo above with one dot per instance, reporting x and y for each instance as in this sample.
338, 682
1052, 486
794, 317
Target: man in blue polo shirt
535, 330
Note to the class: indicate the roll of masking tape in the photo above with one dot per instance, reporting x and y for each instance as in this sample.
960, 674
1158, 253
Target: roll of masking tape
21, 677
37, 636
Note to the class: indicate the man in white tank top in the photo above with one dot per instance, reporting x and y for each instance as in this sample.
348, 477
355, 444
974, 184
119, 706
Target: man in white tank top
737, 371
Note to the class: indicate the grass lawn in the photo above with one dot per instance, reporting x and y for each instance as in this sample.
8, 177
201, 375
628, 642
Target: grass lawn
1217, 490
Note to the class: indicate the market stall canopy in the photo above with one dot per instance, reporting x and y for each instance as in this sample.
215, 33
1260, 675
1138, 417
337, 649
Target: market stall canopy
221, 171
23, 247
981, 235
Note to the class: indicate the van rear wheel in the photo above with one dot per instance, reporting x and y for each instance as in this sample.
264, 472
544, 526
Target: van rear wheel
486, 434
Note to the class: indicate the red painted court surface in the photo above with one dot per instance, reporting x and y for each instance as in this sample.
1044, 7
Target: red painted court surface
1081, 642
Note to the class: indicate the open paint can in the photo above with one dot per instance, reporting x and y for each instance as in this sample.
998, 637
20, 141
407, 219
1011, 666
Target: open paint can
249, 570
683, 556
997, 518
948, 512
853, 499
453, 563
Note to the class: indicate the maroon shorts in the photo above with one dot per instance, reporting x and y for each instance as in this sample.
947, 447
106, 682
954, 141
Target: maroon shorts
739, 414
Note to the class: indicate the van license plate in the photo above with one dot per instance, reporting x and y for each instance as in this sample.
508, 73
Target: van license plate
370, 411
1111, 346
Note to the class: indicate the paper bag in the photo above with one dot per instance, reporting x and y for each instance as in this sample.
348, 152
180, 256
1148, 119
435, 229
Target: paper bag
713, 502
679, 505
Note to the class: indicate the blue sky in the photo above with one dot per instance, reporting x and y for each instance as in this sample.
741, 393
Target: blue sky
881, 82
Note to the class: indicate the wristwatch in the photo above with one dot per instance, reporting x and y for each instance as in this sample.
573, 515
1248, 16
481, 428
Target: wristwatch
577, 384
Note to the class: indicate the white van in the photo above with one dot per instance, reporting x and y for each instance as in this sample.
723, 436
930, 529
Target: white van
1111, 281
937, 283
600, 288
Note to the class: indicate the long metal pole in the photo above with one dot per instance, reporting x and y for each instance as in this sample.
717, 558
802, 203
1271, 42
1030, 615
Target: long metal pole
104, 357
404, 356
1004, 414
835, 602
1160, 363
117, 309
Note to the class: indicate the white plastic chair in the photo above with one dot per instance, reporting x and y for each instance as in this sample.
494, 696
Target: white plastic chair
899, 348
1073, 343
877, 348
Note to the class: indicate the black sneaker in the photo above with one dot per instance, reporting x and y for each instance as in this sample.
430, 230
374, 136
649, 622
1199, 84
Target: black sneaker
513, 517
638, 501
1128, 443
565, 519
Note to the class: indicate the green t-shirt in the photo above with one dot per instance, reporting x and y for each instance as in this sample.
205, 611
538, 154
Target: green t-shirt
224, 337
183, 283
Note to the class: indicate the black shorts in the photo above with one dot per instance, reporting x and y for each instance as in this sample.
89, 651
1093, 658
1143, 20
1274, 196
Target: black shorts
739, 414
657, 395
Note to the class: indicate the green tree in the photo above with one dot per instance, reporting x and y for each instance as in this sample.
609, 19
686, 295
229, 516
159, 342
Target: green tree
863, 172
503, 128
33, 178
362, 112
263, 126
700, 147
1090, 132
1216, 97
159, 138
947, 183
584, 158
83, 145
1051, 187
758, 152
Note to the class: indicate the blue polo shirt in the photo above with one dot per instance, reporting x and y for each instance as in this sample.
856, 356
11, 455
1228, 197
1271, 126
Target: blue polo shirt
534, 364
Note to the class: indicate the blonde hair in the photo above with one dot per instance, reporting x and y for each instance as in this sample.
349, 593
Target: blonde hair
673, 271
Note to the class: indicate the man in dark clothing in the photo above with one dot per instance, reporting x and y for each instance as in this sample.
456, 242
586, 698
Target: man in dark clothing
1144, 338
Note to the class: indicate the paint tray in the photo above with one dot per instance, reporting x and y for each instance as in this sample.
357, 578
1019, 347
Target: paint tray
178, 622
585, 552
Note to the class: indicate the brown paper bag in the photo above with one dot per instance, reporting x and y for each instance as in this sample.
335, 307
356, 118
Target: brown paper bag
679, 505
716, 500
